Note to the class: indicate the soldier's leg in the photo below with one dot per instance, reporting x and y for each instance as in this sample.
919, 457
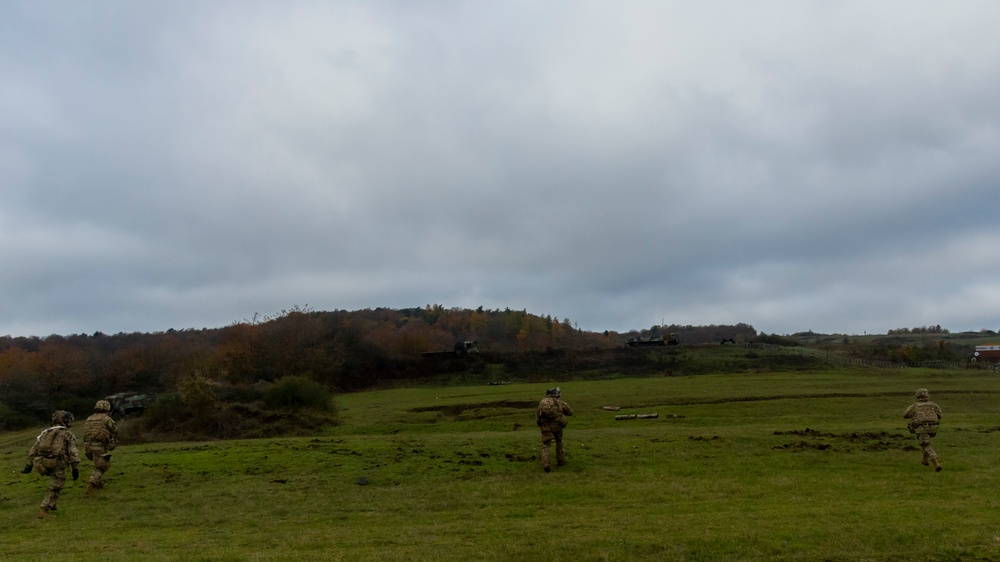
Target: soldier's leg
56, 483
929, 452
560, 453
102, 463
546, 443
925, 444
104, 467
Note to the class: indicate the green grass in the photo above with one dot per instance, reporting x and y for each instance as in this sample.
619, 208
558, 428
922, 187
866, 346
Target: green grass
727, 472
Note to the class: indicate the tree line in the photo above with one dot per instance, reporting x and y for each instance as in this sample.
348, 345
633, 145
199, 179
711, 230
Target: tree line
340, 350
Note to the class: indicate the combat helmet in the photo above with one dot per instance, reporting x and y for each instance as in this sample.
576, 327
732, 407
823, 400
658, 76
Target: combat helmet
922, 394
62, 417
102, 406
554, 392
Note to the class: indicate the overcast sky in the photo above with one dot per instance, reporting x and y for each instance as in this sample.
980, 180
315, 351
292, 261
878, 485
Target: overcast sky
799, 165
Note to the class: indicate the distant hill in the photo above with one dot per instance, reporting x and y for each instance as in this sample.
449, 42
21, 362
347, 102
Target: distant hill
375, 348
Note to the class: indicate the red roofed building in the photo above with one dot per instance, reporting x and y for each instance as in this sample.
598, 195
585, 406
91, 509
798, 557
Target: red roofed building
988, 353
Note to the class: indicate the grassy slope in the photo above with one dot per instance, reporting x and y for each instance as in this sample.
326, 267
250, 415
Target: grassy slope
452, 474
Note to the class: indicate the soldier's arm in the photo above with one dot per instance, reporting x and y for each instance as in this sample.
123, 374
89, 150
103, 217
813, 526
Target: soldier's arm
113, 428
71, 449
566, 409
910, 410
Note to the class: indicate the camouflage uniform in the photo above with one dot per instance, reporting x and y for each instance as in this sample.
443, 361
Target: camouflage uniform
53, 450
925, 418
551, 419
100, 437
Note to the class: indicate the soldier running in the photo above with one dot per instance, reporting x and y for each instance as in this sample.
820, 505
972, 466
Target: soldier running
54, 449
551, 419
100, 437
925, 417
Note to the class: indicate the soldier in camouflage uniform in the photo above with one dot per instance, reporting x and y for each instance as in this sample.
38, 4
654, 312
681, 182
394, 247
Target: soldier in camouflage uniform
100, 437
54, 450
551, 419
925, 417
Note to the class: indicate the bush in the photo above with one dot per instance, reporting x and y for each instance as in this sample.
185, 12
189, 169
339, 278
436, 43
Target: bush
296, 393
80, 407
244, 394
164, 414
775, 339
132, 431
11, 420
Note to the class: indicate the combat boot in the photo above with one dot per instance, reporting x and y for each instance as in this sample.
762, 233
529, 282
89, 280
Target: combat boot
90, 489
43, 512
937, 465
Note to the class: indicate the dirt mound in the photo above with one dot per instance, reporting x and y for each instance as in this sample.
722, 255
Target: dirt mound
459, 409
844, 442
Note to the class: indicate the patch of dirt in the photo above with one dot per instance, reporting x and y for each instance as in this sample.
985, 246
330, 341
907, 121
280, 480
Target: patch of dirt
802, 445
904, 397
344, 451
853, 437
519, 458
458, 409
846, 442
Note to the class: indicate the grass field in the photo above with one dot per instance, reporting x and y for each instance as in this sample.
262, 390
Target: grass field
772, 466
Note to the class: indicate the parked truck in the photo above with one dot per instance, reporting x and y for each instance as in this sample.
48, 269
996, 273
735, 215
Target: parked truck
461, 348
126, 404
652, 341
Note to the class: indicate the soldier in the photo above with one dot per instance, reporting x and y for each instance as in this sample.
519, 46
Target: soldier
100, 437
54, 449
924, 416
551, 419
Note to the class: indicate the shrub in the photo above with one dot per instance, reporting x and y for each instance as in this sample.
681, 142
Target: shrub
243, 393
80, 407
168, 410
197, 393
295, 393
775, 339
11, 420
132, 431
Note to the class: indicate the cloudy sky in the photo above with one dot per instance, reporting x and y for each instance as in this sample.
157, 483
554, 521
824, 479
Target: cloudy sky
799, 165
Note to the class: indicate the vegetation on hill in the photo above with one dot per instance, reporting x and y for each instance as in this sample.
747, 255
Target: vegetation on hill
218, 379
271, 375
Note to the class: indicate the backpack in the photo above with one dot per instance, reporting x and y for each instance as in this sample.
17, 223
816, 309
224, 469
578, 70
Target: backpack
924, 412
48, 442
550, 410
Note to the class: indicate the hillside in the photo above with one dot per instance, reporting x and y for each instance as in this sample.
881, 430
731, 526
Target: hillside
340, 350
220, 383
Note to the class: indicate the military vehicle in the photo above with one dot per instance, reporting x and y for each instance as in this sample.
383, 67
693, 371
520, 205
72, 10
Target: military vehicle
652, 341
461, 348
126, 404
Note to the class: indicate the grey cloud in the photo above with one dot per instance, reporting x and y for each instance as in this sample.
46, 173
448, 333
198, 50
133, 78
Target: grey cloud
793, 165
